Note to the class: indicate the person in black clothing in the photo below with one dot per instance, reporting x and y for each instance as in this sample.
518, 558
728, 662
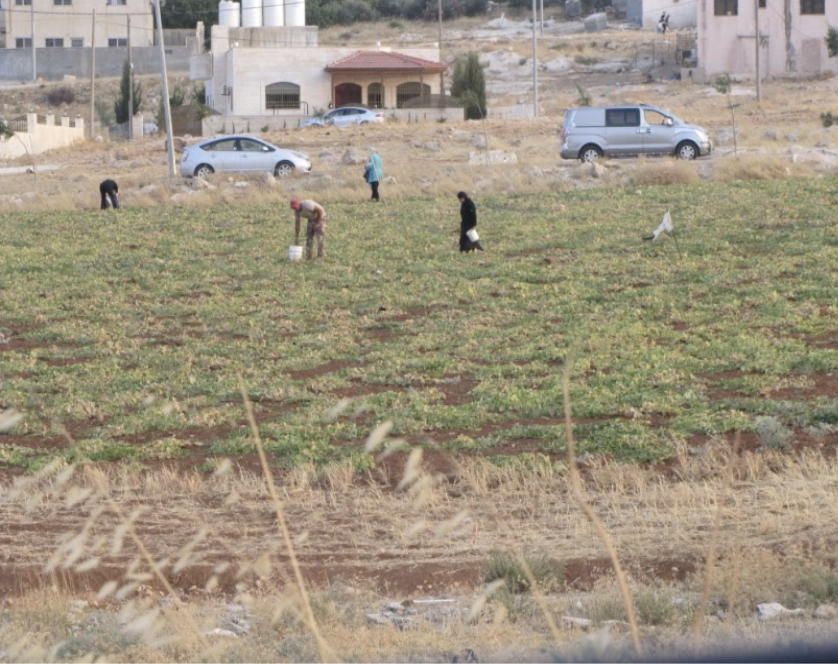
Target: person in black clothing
109, 189
468, 221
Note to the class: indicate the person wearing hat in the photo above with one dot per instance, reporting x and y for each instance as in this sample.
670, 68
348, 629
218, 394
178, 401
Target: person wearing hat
109, 189
468, 222
373, 173
316, 227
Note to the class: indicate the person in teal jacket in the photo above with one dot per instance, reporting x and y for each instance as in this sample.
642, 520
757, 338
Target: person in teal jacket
373, 173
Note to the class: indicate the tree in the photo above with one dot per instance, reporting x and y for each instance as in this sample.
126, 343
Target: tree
120, 106
469, 83
831, 40
187, 13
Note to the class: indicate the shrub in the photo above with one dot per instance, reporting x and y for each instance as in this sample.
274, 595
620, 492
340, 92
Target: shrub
547, 573
664, 172
654, 608
469, 83
62, 95
772, 433
827, 119
756, 167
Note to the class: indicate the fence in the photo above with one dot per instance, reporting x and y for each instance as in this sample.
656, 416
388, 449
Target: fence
40, 133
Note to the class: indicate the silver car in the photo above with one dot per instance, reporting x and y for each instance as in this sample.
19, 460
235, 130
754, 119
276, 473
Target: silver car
241, 153
629, 130
345, 116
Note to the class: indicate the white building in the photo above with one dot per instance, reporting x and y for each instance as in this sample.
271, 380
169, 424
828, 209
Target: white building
282, 71
69, 23
791, 36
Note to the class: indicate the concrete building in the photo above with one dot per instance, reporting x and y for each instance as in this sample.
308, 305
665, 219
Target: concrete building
791, 36
282, 71
69, 23
647, 13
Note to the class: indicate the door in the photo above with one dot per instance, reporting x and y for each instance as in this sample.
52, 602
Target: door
222, 155
660, 132
255, 155
623, 131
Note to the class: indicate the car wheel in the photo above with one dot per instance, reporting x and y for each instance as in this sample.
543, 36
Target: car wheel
686, 150
284, 169
203, 170
590, 153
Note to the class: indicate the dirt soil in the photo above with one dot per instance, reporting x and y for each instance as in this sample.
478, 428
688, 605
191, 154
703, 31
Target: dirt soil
363, 530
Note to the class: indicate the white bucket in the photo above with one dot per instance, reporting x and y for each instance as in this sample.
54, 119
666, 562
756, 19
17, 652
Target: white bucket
295, 252
472, 234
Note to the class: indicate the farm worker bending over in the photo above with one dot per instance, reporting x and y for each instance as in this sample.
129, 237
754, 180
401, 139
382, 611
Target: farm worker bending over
316, 216
109, 189
468, 222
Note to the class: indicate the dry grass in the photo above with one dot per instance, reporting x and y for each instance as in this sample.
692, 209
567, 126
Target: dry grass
662, 172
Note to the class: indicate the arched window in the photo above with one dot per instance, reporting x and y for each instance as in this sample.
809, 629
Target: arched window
347, 94
282, 95
375, 95
407, 91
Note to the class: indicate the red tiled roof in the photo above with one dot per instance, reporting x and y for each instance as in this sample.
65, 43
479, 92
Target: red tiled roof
384, 61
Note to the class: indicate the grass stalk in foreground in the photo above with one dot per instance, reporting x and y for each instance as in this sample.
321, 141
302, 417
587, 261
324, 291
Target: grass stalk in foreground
326, 652
578, 493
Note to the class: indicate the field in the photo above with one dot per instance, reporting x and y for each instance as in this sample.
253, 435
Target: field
210, 453
409, 400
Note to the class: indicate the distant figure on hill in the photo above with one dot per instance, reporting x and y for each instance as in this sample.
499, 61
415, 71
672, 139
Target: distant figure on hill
109, 190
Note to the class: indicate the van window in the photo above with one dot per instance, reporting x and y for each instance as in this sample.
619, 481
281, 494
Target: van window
622, 117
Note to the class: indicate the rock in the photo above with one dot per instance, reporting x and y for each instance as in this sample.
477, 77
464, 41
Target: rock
390, 179
149, 189
479, 141
492, 158
99, 139
241, 185
178, 199
774, 610
826, 612
221, 632
791, 138
724, 136
771, 134
596, 170
267, 180
377, 619
571, 622
199, 183
69, 78
432, 146
466, 655
352, 156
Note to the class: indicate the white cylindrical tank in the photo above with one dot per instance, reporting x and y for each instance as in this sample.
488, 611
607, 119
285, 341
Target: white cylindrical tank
251, 13
229, 14
273, 13
295, 12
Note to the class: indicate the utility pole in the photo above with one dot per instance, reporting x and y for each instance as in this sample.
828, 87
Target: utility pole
32, 32
535, 64
757, 40
130, 85
167, 111
541, 6
92, 71
441, 74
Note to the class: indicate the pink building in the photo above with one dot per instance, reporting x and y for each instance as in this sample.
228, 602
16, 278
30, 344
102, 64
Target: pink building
791, 35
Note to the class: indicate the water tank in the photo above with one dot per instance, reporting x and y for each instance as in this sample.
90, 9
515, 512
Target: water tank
229, 14
295, 12
273, 13
251, 13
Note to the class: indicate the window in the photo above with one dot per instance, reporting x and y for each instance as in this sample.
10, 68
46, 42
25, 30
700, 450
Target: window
23, 42
282, 95
726, 7
622, 117
54, 42
23, 2
77, 42
812, 7
762, 4
117, 2
226, 145
375, 95
62, 2
120, 41
407, 91
249, 145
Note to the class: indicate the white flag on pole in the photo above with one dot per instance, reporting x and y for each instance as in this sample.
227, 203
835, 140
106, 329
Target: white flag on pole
665, 227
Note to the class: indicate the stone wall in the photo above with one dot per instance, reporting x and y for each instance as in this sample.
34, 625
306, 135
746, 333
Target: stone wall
42, 134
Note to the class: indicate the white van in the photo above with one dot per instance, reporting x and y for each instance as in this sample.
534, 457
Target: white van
633, 129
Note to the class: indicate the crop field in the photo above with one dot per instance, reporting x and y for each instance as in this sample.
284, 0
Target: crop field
123, 335
409, 400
